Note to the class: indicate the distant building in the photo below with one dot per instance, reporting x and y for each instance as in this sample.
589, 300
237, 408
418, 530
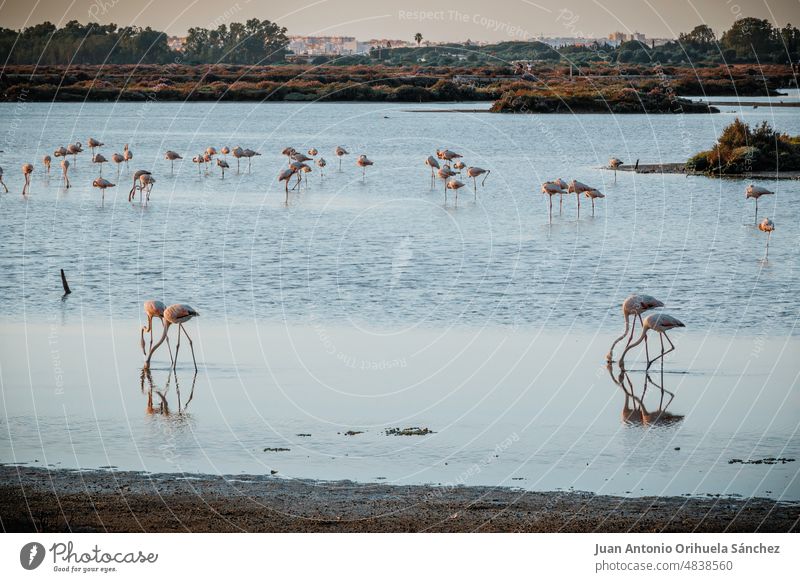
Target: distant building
323, 45
176, 43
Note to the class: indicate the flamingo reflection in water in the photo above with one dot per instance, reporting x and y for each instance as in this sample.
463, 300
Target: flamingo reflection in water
634, 411
162, 407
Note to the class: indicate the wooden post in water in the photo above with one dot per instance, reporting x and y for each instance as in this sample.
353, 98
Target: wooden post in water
64, 283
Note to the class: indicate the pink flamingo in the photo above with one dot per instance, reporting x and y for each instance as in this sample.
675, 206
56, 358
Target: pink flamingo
46, 161
363, 162
634, 305
615, 163
102, 183
153, 309
660, 323
474, 172
176, 314
137, 183
551, 189
127, 154
433, 164
340, 151
592, 194
172, 156
756, 192
454, 185
64, 170
578, 188
27, 170
767, 226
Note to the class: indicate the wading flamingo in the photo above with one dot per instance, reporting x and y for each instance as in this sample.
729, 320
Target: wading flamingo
74, 149
340, 151
64, 170
46, 161
172, 156
99, 159
238, 153
249, 154
146, 182
564, 186
615, 163
102, 183
363, 162
1, 180
433, 164
453, 185
767, 226
578, 188
176, 314
321, 163
447, 155
299, 157
117, 159
127, 154
199, 160
288, 152
756, 192
93, 143
60, 152
634, 305
313, 152
137, 183
551, 189
445, 173
660, 323
223, 166
592, 194
225, 151
153, 309
285, 176
27, 169
474, 172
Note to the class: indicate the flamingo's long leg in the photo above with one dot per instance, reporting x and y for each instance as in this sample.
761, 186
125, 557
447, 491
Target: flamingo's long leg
177, 348
646, 349
755, 218
550, 203
560, 203
191, 347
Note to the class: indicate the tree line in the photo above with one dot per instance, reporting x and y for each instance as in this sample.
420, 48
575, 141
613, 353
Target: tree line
749, 40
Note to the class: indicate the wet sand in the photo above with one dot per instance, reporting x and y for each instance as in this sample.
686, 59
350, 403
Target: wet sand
96, 501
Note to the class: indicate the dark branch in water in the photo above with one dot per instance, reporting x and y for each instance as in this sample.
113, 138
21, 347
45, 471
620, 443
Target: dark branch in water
64, 283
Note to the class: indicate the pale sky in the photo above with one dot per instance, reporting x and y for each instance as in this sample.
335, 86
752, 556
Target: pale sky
495, 20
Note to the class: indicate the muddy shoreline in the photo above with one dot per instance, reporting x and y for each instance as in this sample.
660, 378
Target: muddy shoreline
35, 499
680, 168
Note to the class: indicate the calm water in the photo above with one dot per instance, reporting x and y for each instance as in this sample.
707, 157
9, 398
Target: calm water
369, 305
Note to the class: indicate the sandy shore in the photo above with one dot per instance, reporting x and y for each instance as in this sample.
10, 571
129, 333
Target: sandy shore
33, 499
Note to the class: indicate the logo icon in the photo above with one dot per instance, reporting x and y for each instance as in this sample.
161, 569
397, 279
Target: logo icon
31, 555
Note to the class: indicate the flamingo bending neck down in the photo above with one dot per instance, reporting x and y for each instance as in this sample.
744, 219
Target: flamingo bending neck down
176, 314
153, 309
660, 323
634, 305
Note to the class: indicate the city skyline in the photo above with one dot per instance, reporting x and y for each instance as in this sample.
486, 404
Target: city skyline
472, 19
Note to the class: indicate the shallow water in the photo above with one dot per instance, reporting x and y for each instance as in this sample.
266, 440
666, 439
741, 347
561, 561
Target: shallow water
369, 263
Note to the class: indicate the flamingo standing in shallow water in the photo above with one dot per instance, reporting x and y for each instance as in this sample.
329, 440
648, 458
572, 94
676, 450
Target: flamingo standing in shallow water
64, 170
237, 153
363, 162
592, 194
60, 152
137, 183
27, 170
249, 154
660, 323
615, 163
99, 159
117, 159
153, 309
756, 192
127, 154
93, 143
634, 305
225, 151
285, 176
223, 166
172, 156
433, 164
102, 183
578, 188
767, 226
321, 163
340, 151
551, 189
176, 314
74, 149
474, 172
454, 185
46, 161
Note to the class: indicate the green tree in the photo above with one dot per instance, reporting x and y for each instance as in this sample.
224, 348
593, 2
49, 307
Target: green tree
701, 37
418, 38
751, 37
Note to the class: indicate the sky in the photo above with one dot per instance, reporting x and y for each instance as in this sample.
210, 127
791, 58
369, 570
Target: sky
478, 20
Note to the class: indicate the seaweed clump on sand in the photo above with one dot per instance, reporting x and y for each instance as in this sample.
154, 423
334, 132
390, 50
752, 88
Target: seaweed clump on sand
742, 150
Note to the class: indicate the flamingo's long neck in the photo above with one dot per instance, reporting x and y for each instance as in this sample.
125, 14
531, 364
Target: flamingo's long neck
158, 343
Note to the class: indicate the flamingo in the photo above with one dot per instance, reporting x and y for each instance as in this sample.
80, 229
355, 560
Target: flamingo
198, 160
298, 168
285, 176
223, 165
99, 159
237, 153
298, 157
127, 154
756, 192
102, 183
459, 165
27, 169
615, 163
340, 151
447, 155
225, 151
578, 188
473, 172
288, 152
634, 305
321, 163
208, 159
1, 180
445, 173
564, 186
74, 149
211, 151
660, 323
551, 189
117, 159
153, 309
363, 162
176, 314
146, 182
172, 156
313, 152
64, 170
306, 169
249, 154
60, 152
137, 175
592, 194
93, 143
767, 226
433, 164
453, 185
46, 161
